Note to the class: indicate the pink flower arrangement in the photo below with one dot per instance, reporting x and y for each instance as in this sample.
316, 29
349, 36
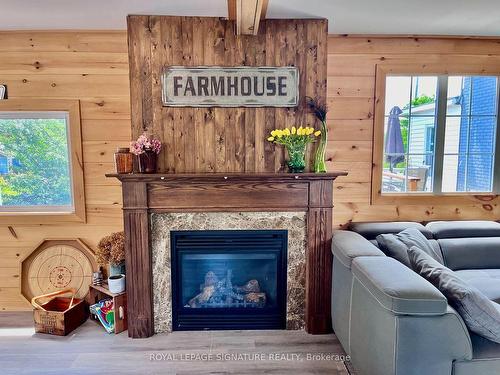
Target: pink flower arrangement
145, 143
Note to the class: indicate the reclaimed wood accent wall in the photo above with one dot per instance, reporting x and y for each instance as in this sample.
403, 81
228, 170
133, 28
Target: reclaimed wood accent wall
220, 139
93, 68
351, 87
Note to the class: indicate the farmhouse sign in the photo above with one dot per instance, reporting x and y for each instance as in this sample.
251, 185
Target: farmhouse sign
209, 86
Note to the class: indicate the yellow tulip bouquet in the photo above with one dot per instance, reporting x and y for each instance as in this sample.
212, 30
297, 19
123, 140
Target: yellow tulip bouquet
295, 141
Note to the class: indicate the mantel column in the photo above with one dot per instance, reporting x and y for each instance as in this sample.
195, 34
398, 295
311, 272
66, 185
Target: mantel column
319, 257
138, 260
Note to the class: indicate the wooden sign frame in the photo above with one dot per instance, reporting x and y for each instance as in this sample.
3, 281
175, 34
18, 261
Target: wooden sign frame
208, 79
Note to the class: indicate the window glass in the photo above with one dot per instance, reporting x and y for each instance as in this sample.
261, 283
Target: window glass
35, 172
411, 118
470, 137
409, 137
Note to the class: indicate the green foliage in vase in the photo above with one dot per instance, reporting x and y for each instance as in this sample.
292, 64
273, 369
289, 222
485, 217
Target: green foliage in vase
319, 110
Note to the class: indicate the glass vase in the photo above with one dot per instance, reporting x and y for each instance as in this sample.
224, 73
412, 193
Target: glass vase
319, 157
296, 158
147, 162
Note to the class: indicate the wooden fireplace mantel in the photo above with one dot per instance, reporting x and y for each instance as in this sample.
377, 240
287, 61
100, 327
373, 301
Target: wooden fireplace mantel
210, 192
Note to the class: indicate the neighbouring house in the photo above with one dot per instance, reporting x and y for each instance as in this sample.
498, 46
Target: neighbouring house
469, 137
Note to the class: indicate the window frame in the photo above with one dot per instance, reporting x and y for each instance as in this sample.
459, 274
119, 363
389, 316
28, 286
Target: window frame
428, 198
37, 216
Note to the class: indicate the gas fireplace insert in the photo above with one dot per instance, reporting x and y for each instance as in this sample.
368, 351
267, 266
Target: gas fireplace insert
229, 279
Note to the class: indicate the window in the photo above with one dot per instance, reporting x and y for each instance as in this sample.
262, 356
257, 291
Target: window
439, 134
39, 142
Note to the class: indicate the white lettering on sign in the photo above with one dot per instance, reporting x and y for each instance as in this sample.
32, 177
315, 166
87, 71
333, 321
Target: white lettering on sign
208, 86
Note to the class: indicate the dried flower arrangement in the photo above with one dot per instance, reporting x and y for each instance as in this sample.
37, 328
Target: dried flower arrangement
111, 249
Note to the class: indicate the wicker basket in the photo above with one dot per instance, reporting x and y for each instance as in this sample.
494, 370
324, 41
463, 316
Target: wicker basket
60, 315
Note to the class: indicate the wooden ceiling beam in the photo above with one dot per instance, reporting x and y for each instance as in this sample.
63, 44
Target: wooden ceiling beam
247, 14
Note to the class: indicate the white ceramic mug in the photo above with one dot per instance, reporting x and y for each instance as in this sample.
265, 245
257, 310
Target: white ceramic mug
116, 283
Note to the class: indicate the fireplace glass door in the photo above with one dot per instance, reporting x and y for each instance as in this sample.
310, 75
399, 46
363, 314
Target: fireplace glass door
229, 279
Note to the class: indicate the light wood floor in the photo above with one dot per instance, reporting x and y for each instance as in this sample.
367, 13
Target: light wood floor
89, 350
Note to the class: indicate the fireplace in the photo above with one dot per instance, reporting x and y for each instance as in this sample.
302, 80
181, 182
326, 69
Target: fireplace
229, 279
150, 198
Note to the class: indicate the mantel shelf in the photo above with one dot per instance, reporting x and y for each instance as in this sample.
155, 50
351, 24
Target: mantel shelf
221, 177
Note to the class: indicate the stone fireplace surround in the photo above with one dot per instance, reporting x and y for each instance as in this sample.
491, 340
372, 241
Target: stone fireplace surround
151, 200
163, 223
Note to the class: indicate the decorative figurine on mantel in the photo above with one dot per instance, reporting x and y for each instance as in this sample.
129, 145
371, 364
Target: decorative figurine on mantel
295, 141
147, 149
319, 111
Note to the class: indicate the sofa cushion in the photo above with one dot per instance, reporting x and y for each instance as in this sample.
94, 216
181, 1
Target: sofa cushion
371, 230
467, 253
485, 358
481, 315
460, 229
486, 280
347, 245
397, 245
397, 288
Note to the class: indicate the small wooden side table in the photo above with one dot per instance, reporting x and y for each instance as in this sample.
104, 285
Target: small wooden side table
97, 293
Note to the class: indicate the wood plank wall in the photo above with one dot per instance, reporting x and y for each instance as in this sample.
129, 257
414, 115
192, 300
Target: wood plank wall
91, 67
220, 139
351, 85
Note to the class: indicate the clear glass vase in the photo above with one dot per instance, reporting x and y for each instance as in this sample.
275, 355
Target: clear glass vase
296, 158
319, 158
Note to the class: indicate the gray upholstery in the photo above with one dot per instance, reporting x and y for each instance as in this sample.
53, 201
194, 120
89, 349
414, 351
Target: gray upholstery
374, 310
347, 245
457, 229
480, 314
397, 245
486, 280
485, 358
371, 230
469, 253
385, 343
396, 289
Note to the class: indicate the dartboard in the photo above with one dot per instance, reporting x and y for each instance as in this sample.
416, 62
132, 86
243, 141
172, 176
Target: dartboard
56, 265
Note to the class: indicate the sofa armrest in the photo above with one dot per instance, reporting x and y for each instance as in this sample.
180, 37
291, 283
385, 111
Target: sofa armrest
348, 245
397, 288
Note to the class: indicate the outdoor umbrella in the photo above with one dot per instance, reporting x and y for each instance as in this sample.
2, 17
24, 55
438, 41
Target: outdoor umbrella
394, 148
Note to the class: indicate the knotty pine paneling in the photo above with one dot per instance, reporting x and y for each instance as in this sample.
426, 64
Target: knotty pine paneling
351, 80
224, 139
66, 58
91, 67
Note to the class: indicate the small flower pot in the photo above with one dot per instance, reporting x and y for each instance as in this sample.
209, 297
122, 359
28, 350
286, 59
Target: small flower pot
147, 162
116, 269
116, 283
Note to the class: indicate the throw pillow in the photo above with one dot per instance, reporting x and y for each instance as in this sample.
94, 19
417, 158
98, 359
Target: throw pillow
480, 315
397, 245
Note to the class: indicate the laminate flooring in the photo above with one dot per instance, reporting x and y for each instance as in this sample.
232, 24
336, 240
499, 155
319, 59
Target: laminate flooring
90, 350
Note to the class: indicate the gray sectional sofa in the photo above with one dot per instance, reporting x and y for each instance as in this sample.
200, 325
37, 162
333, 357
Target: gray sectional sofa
390, 320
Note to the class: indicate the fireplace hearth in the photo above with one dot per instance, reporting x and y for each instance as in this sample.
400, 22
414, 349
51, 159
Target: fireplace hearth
229, 279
